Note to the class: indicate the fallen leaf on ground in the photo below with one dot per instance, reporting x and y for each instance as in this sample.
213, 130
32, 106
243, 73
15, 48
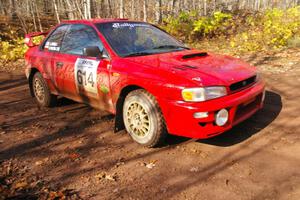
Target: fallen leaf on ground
119, 163
56, 195
74, 156
20, 185
151, 164
227, 181
39, 162
111, 178
103, 175
194, 169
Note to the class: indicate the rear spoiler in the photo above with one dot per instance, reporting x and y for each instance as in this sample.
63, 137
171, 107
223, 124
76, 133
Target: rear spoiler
29, 38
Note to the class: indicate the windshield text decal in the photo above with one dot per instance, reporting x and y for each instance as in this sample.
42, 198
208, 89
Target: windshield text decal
131, 25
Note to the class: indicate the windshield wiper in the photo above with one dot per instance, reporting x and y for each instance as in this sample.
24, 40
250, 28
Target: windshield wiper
138, 54
170, 47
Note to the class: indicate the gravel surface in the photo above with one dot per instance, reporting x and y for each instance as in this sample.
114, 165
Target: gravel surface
70, 151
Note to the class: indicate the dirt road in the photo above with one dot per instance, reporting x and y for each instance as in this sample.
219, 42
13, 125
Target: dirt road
73, 148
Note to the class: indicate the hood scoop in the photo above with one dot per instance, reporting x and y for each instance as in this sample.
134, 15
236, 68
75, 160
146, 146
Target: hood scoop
194, 55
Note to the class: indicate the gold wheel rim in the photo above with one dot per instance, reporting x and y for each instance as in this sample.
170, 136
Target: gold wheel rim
38, 89
138, 119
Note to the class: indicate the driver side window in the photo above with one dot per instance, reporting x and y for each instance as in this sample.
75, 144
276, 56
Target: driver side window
53, 43
78, 37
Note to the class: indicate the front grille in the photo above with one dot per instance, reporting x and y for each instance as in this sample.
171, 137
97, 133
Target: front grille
242, 84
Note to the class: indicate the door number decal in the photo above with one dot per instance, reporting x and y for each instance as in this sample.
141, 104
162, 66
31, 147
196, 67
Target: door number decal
86, 75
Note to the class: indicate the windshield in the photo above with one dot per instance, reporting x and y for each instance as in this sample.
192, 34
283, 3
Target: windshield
137, 39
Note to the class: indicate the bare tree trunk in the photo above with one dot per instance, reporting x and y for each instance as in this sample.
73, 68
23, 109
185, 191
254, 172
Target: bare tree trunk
56, 11
265, 3
138, 5
88, 7
23, 24
12, 9
145, 10
98, 9
158, 17
242, 5
79, 10
46, 6
38, 17
85, 11
121, 8
214, 5
205, 7
2, 10
70, 11
33, 15
179, 6
185, 6
173, 5
132, 9
109, 8
193, 4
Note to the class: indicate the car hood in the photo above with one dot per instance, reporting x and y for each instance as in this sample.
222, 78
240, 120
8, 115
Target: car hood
199, 67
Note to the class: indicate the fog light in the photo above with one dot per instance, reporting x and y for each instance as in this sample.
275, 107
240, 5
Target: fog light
222, 117
198, 115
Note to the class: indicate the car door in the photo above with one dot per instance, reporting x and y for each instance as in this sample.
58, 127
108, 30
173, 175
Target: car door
81, 78
50, 47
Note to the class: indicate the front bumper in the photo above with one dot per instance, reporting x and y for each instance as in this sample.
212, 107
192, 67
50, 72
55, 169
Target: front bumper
240, 105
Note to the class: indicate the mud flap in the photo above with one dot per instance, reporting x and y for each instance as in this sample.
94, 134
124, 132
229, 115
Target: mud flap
119, 124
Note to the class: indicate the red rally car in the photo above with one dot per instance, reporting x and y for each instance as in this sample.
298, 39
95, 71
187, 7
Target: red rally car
151, 82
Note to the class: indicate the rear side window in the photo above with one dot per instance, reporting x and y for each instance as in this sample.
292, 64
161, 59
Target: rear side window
78, 37
53, 43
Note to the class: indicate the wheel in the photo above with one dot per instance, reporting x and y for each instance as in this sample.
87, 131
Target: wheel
42, 92
143, 118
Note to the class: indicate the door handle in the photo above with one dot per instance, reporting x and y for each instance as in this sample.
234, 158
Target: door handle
59, 64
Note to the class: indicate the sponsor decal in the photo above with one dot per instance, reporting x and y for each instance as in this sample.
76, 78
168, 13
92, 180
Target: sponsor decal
86, 75
104, 89
53, 44
130, 25
54, 48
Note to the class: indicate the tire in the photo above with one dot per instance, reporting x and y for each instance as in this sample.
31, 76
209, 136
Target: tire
41, 91
143, 119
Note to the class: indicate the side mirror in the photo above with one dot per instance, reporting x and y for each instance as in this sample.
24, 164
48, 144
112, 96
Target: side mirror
92, 51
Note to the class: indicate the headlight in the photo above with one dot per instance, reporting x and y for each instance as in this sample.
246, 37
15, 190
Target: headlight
203, 94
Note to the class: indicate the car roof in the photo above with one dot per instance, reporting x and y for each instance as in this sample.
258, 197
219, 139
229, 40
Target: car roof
97, 20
